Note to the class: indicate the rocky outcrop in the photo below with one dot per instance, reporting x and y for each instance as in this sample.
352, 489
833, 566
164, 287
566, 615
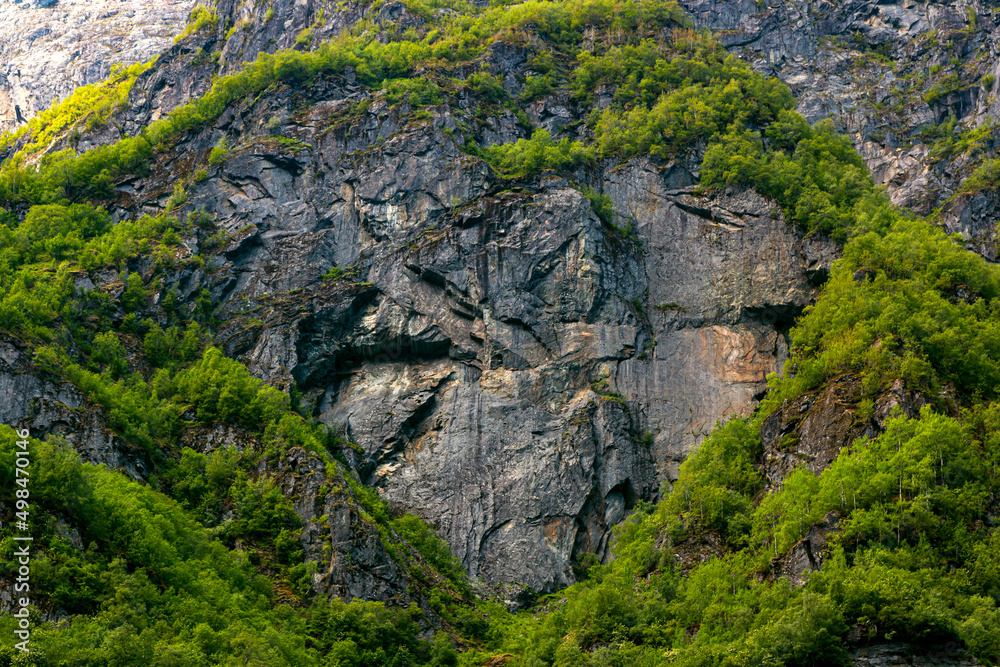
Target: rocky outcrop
49, 48
909, 655
49, 407
810, 430
516, 370
891, 75
724, 276
806, 555
353, 557
974, 216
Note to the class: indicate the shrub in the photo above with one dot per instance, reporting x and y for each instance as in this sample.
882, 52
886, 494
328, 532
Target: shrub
986, 176
200, 18
219, 153
530, 156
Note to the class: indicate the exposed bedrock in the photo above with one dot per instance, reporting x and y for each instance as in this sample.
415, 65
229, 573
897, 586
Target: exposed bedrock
517, 371
891, 74
49, 48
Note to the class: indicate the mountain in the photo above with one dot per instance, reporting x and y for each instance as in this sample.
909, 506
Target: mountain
389, 320
49, 48
912, 84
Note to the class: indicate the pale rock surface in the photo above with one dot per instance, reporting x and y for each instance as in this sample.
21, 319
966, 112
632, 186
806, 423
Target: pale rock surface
48, 48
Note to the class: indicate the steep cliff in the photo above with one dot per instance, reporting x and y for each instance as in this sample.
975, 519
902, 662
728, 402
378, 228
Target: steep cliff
49, 48
518, 372
912, 83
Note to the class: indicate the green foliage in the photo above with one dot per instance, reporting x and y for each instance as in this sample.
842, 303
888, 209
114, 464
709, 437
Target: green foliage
820, 184
369, 633
200, 18
224, 389
892, 309
304, 38
985, 177
950, 138
944, 86
530, 156
264, 515
458, 38
536, 87
334, 273
88, 107
162, 585
41, 258
219, 153
718, 482
178, 198
55, 231
173, 346
201, 482
433, 548
487, 86
134, 296
913, 484
416, 92
601, 205
908, 558
668, 101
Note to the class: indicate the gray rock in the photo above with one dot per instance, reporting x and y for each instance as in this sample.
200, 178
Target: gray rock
48, 407
909, 655
806, 555
859, 63
502, 357
51, 48
516, 371
811, 430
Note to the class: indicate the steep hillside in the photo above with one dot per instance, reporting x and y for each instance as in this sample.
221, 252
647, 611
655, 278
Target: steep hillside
430, 304
423, 301
913, 85
49, 48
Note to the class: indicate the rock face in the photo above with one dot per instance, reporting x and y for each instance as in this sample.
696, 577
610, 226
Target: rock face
891, 74
908, 655
49, 48
806, 555
723, 277
352, 558
811, 430
47, 407
516, 370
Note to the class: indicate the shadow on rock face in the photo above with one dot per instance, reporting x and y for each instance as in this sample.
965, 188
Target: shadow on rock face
517, 371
